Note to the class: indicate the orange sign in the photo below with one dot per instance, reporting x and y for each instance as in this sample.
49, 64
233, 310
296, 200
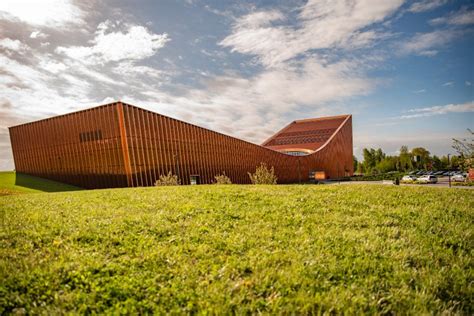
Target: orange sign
320, 175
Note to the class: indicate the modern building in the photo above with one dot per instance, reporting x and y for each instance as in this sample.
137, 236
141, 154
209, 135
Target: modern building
120, 145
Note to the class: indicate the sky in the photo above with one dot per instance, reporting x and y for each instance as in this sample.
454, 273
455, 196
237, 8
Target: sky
403, 69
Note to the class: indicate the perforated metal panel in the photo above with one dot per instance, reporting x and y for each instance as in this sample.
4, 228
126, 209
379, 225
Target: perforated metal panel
119, 145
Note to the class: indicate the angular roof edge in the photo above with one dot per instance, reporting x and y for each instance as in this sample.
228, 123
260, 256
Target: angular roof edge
324, 118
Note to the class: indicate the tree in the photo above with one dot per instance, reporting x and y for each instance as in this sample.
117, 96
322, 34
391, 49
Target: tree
371, 158
455, 162
465, 149
355, 162
379, 155
387, 164
444, 162
405, 159
437, 164
423, 157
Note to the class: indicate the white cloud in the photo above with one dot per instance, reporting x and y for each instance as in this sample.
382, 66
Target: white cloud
13, 45
461, 17
269, 99
420, 91
439, 110
322, 25
36, 85
130, 69
426, 44
426, 5
468, 83
38, 34
52, 66
52, 13
89, 73
293, 89
136, 43
448, 84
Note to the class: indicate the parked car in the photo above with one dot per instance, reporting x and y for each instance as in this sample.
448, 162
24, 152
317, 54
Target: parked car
428, 179
409, 178
458, 178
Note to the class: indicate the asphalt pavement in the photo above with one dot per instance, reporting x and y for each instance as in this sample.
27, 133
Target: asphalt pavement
443, 182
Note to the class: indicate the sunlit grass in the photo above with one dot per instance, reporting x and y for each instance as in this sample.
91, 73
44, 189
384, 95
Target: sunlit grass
12, 183
239, 249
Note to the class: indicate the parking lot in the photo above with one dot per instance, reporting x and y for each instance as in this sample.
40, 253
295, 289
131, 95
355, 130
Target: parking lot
443, 182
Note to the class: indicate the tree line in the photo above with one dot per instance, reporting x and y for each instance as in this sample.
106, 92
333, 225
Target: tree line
376, 161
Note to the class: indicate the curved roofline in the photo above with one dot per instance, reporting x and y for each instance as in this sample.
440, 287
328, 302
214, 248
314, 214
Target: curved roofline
348, 116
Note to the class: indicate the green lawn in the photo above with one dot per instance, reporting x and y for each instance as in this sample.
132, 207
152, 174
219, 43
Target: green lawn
239, 249
17, 183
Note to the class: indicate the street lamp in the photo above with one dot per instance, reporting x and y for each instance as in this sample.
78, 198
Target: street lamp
449, 173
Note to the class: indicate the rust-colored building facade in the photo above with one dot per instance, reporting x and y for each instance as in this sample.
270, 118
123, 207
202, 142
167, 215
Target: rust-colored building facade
120, 145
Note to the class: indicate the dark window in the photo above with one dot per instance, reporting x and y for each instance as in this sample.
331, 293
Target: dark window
90, 136
194, 179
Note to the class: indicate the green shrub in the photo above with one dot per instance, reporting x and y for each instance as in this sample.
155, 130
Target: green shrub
412, 182
169, 179
222, 179
465, 183
263, 175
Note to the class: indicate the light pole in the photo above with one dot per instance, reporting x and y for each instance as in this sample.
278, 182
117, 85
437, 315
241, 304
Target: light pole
449, 172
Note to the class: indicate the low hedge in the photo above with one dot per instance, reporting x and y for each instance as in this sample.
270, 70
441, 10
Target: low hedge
413, 182
378, 177
463, 184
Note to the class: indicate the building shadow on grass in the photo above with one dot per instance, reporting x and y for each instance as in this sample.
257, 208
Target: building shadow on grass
42, 184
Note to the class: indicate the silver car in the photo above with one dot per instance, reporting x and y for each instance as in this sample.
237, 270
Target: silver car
409, 178
458, 178
428, 179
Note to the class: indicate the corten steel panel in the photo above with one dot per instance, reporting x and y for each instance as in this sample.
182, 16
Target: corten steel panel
54, 148
209, 153
119, 145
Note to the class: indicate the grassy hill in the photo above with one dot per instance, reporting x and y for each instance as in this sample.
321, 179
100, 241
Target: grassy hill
239, 249
17, 183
